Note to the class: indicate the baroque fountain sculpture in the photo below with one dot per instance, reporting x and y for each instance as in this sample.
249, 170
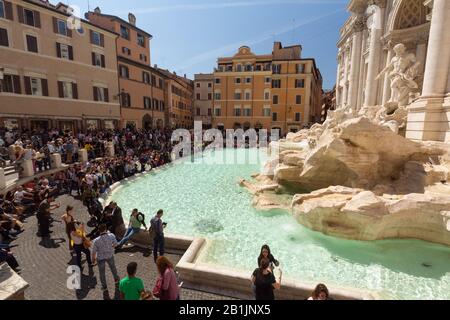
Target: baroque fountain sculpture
356, 177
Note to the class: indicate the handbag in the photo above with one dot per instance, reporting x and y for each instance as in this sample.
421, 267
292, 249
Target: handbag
157, 290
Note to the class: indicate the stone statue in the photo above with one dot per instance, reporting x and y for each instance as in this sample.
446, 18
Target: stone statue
402, 71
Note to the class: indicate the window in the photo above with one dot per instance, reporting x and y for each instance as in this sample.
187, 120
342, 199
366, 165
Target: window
209, 112
2, 9
67, 90
147, 103
248, 95
237, 96
267, 79
29, 17
247, 112
161, 105
36, 86
300, 68
209, 85
248, 80
266, 95
143, 57
98, 60
276, 83
274, 116
124, 32
237, 80
217, 96
198, 84
275, 99
298, 99
198, 111
96, 38
299, 83
124, 72
217, 112
237, 111
276, 68
160, 83
32, 45
62, 27
198, 96
248, 67
141, 40
297, 116
126, 50
266, 111
146, 77
64, 51
209, 96
258, 67
4, 37
217, 80
153, 80
11, 84
239, 68
100, 94
229, 68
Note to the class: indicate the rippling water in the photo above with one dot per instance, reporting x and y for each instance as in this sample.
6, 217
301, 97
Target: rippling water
205, 200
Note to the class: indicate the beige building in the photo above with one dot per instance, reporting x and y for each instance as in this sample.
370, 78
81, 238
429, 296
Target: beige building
280, 90
417, 74
203, 99
48, 76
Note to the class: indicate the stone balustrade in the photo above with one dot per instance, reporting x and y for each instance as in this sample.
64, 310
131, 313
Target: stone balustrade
12, 286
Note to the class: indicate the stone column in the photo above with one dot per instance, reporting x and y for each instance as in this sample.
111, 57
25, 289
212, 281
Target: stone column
374, 55
438, 57
338, 79
358, 28
55, 161
82, 155
386, 83
344, 100
27, 169
427, 119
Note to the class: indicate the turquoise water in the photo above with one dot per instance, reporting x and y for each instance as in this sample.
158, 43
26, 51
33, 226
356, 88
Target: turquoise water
206, 200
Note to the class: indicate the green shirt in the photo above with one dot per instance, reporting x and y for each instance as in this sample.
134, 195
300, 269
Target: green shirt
135, 223
131, 288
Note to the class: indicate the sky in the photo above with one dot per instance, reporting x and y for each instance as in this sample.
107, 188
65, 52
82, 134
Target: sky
189, 35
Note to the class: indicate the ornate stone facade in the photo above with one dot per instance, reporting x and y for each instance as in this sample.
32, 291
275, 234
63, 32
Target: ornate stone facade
366, 49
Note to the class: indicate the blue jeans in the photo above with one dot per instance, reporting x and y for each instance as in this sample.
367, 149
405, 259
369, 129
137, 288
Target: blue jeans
158, 243
101, 268
130, 232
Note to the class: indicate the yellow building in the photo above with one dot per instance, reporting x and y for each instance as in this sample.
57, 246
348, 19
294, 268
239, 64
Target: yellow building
276, 91
48, 77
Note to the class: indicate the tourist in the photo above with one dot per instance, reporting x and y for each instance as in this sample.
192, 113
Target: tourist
80, 243
44, 215
103, 253
116, 218
166, 287
265, 282
68, 218
157, 233
134, 226
265, 253
320, 293
131, 287
8, 257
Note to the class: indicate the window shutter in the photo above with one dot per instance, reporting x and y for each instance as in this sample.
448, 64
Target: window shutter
58, 50
4, 38
93, 58
37, 19
27, 81
106, 95
75, 90
8, 10
20, 13
70, 53
55, 25
128, 73
102, 40
44, 84
103, 61
95, 94
91, 34
60, 89
69, 32
16, 81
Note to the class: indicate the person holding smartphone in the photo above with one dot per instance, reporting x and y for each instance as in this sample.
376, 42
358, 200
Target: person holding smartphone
157, 233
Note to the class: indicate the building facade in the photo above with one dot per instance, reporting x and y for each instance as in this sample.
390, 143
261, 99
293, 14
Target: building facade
371, 51
48, 78
142, 89
179, 97
203, 99
275, 91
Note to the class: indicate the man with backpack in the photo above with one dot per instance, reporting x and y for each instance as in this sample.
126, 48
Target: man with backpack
157, 234
137, 219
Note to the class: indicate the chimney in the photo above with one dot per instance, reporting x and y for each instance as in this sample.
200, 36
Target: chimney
155, 66
185, 75
97, 10
132, 19
277, 46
